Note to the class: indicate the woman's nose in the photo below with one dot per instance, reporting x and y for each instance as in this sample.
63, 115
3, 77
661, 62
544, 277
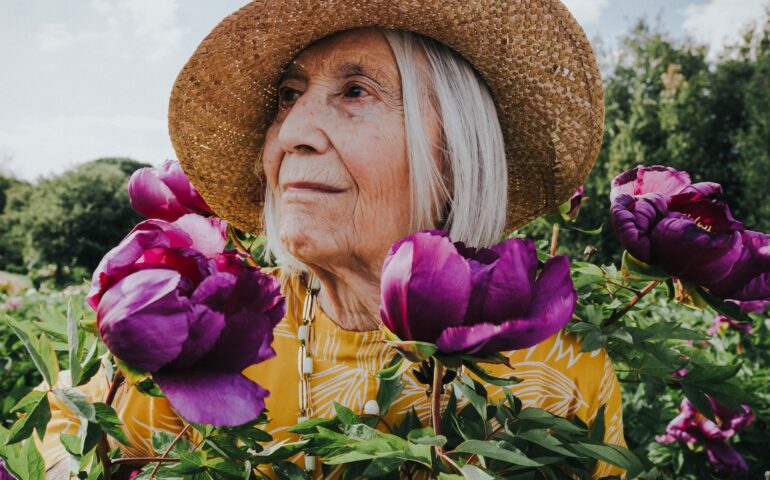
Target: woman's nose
303, 128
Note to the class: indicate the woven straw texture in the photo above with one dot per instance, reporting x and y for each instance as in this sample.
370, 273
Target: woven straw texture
533, 54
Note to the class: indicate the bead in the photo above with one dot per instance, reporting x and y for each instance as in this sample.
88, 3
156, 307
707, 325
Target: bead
302, 333
307, 365
309, 462
371, 408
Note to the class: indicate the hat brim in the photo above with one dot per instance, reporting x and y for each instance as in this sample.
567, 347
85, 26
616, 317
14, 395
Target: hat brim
534, 56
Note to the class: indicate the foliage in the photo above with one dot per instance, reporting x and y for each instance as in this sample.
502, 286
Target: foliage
63, 225
666, 105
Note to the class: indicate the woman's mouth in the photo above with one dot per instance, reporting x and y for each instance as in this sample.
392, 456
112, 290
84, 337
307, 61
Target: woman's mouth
310, 187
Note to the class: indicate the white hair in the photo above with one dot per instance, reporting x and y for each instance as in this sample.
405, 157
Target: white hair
465, 191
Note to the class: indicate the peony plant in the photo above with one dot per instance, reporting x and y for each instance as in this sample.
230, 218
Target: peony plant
174, 303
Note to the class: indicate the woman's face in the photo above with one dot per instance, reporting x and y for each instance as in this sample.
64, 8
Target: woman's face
335, 155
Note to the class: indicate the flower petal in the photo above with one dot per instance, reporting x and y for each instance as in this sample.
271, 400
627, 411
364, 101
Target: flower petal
174, 177
213, 397
749, 278
252, 309
143, 320
426, 287
468, 339
151, 197
658, 179
206, 318
633, 220
510, 289
553, 303
208, 234
688, 251
725, 459
119, 261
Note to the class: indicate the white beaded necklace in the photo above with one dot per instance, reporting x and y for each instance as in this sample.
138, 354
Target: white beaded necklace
304, 361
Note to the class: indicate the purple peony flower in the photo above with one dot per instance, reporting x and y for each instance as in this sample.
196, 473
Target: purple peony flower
722, 323
574, 204
692, 428
473, 301
661, 218
164, 192
749, 277
193, 320
4, 473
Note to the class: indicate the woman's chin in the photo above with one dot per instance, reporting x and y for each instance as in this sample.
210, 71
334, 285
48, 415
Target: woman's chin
306, 242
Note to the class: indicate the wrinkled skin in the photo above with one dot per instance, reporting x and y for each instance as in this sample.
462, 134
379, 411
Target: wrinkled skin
335, 159
473, 301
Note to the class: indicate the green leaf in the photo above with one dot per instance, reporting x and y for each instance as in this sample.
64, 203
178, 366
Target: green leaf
73, 346
162, 440
309, 426
289, 471
37, 413
149, 387
48, 354
592, 231
110, 423
696, 396
76, 401
346, 415
226, 467
27, 464
133, 375
728, 309
475, 393
613, 454
492, 450
709, 374
489, 378
71, 443
636, 269
33, 347
475, 473
426, 436
546, 440
390, 383
597, 430
592, 340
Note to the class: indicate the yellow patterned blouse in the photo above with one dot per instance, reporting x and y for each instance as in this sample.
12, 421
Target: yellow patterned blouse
556, 376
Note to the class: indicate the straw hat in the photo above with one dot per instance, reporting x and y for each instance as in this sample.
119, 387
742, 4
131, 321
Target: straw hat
533, 54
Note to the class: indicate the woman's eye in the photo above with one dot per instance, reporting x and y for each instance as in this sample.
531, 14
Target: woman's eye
287, 95
355, 91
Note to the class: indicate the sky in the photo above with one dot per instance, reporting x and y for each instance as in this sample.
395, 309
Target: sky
85, 79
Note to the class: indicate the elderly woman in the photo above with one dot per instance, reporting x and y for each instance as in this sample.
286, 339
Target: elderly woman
337, 128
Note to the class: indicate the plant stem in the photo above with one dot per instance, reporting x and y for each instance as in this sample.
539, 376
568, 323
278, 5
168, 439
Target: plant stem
103, 450
554, 238
168, 449
619, 313
119, 461
435, 403
234, 238
449, 460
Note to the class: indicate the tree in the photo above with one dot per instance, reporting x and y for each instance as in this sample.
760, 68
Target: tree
72, 220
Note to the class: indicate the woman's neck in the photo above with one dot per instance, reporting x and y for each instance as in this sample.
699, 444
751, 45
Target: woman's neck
350, 299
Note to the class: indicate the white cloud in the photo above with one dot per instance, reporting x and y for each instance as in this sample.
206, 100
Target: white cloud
152, 21
39, 145
58, 36
586, 12
721, 22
